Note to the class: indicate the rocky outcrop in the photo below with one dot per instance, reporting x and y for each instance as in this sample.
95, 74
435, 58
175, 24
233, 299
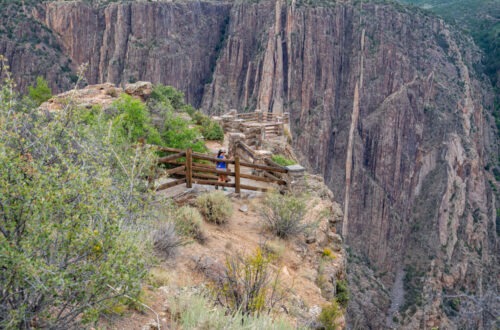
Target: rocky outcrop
100, 96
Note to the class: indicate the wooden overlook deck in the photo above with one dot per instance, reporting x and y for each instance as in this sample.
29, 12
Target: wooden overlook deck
248, 169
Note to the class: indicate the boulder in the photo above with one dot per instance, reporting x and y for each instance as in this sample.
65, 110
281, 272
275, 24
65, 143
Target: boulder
141, 89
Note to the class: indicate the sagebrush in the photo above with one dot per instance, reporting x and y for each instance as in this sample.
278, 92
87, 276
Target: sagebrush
215, 206
190, 222
283, 215
166, 241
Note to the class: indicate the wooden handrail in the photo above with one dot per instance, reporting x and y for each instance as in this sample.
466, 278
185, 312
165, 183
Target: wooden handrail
245, 152
171, 157
243, 186
202, 176
207, 173
211, 158
213, 183
262, 179
272, 177
171, 184
175, 170
264, 167
266, 116
246, 149
167, 149
212, 170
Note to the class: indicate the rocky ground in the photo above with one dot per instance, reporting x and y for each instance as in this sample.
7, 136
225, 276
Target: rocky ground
306, 271
300, 264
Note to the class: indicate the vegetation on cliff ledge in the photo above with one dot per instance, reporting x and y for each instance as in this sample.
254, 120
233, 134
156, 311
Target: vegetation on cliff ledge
72, 201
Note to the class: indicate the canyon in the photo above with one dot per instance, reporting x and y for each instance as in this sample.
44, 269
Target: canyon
386, 103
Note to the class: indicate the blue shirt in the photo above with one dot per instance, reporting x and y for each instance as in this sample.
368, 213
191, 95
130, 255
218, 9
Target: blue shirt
221, 165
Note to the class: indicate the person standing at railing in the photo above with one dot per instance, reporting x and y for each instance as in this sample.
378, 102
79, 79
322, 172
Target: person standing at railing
221, 166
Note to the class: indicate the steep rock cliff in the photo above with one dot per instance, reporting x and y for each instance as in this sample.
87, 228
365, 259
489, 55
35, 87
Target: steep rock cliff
32, 50
169, 43
386, 105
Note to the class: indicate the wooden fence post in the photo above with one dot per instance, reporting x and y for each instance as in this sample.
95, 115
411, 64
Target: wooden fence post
258, 115
189, 168
237, 174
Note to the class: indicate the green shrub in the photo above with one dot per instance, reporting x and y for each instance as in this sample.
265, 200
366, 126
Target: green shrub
200, 118
329, 315
68, 245
133, 121
282, 160
212, 131
190, 223
41, 92
189, 109
327, 253
166, 105
342, 293
178, 134
169, 95
283, 215
215, 206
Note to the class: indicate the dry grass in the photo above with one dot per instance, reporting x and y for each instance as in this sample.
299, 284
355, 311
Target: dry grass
158, 277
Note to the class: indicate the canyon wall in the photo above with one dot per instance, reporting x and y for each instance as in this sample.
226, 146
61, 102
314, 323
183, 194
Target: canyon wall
385, 103
171, 43
32, 50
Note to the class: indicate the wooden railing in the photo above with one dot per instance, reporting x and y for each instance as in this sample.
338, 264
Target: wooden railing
247, 116
245, 152
186, 166
262, 117
273, 129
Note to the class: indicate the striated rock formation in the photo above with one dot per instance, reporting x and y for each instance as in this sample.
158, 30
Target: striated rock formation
385, 103
169, 43
32, 50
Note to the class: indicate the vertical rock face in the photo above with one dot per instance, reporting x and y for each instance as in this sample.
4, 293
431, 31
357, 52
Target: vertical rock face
169, 43
384, 103
31, 49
